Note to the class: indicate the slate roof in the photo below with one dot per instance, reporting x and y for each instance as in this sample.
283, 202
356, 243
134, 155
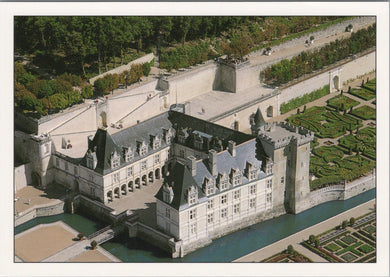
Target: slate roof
106, 143
259, 120
183, 179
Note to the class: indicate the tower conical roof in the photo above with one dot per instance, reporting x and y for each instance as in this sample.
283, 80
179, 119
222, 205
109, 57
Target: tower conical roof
259, 120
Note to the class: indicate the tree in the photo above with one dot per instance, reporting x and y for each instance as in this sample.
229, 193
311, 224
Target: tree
352, 221
146, 67
93, 244
87, 91
100, 86
317, 243
312, 239
290, 249
344, 224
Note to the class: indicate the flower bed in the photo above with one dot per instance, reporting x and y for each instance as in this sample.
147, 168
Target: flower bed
362, 93
364, 112
342, 102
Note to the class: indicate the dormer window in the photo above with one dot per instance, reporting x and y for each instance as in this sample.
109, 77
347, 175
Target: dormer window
156, 142
142, 148
91, 159
198, 142
167, 194
208, 186
128, 154
182, 136
115, 160
168, 134
250, 171
192, 195
235, 177
223, 181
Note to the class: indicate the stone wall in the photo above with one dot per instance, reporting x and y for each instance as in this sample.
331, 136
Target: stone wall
40, 210
22, 176
26, 124
118, 70
331, 30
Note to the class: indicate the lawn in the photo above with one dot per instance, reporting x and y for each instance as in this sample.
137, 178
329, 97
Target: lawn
348, 257
348, 240
332, 247
364, 112
370, 85
365, 249
329, 153
342, 102
370, 229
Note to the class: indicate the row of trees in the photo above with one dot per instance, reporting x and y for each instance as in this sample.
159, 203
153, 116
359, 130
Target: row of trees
48, 96
306, 62
80, 42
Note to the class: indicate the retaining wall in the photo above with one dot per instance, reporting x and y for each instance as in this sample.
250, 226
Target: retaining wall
40, 210
118, 70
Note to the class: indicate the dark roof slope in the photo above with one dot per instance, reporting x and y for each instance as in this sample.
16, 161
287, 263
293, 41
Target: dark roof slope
181, 180
181, 120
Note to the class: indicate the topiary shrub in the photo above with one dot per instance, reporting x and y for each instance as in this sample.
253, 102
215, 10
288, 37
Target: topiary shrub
93, 244
80, 236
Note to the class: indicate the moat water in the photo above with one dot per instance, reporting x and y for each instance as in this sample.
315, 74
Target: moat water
225, 249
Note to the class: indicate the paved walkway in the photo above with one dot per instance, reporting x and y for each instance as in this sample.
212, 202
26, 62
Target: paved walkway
297, 238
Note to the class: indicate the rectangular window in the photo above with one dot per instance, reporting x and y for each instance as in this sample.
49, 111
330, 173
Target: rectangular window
224, 199
192, 214
269, 197
224, 184
57, 162
129, 171
236, 194
115, 163
282, 180
143, 165
210, 204
224, 213
157, 158
66, 166
210, 218
181, 153
167, 212
253, 189
92, 191
91, 177
193, 228
236, 208
237, 179
192, 199
75, 170
252, 203
115, 178
269, 183
210, 189
253, 175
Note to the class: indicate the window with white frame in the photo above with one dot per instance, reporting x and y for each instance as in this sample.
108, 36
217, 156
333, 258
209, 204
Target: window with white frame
129, 155
168, 139
130, 171
192, 214
282, 180
143, 150
236, 208
253, 189
115, 178
66, 166
193, 228
210, 218
269, 197
157, 158
156, 143
192, 195
224, 199
224, 213
210, 204
223, 182
208, 186
252, 202
143, 165
167, 212
253, 174
57, 162
236, 194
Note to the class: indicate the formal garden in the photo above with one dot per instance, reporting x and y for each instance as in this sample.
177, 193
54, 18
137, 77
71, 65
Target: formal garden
290, 255
367, 91
354, 240
353, 154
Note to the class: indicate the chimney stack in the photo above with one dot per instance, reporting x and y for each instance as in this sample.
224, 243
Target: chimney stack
213, 162
191, 164
232, 148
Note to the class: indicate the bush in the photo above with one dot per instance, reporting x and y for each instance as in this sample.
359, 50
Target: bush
73, 79
100, 86
87, 91
146, 67
80, 236
344, 224
352, 221
290, 249
93, 244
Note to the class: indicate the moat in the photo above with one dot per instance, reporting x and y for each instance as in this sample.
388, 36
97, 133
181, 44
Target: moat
225, 249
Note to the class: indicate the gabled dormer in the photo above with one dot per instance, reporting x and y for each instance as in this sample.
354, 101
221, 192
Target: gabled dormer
182, 135
208, 186
192, 195
222, 181
235, 177
91, 158
142, 148
155, 141
198, 141
168, 135
167, 193
251, 171
115, 160
267, 166
128, 154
